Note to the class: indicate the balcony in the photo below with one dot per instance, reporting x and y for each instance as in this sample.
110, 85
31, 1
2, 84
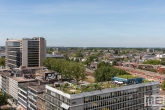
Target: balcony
32, 98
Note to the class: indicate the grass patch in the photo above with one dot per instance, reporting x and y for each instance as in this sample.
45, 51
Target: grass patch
127, 76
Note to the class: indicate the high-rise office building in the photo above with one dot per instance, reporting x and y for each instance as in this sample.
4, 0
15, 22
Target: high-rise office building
27, 52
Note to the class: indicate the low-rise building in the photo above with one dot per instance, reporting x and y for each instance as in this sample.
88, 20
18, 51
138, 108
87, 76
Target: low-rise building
13, 87
54, 56
33, 92
27, 94
103, 96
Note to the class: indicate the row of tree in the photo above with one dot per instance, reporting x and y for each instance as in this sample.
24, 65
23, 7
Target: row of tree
68, 69
155, 62
106, 72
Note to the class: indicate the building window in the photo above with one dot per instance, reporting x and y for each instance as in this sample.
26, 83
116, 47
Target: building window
73, 102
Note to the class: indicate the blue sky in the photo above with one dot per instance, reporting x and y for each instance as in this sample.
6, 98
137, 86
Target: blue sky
105, 23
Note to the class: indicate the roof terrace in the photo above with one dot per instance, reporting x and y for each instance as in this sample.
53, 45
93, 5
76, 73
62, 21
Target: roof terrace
71, 88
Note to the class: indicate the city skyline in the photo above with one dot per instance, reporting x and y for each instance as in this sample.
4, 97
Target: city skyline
129, 23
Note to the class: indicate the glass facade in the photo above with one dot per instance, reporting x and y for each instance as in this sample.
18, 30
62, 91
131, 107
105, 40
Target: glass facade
13, 54
33, 53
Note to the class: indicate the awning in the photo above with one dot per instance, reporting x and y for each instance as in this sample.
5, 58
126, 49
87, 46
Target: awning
65, 106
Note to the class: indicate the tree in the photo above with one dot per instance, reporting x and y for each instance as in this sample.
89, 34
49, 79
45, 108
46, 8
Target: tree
163, 85
153, 62
79, 54
3, 98
76, 60
78, 72
116, 51
49, 50
2, 61
114, 63
68, 69
106, 72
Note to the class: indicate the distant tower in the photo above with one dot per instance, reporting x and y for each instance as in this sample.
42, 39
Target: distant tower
27, 52
150, 50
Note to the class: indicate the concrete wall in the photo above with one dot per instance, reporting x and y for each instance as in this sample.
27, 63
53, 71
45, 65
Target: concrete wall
76, 101
78, 104
80, 107
13, 88
42, 50
25, 52
155, 89
7, 85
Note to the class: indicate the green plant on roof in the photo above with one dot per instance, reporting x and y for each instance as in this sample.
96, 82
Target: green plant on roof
127, 76
96, 86
145, 80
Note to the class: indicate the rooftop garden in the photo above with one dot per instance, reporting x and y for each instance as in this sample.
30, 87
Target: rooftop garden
127, 76
71, 88
146, 80
75, 89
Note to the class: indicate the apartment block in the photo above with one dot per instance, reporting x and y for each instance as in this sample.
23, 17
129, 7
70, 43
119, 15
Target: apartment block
5, 82
27, 52
28, 95
14, 83
11, 79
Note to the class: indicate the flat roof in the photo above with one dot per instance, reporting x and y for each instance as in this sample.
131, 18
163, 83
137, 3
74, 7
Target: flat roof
71, 88
5, 74
99, 92
28, 84
22, 79
34, 86
42, 67
38, 88
54, 56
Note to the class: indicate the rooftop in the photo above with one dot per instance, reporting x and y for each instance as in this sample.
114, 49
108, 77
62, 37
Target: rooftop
5, 74
19, 79
38, 88
71, 88
54, 56
22, 79
98, 92
34, 86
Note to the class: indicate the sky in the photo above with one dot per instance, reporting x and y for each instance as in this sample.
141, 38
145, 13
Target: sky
85, 23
